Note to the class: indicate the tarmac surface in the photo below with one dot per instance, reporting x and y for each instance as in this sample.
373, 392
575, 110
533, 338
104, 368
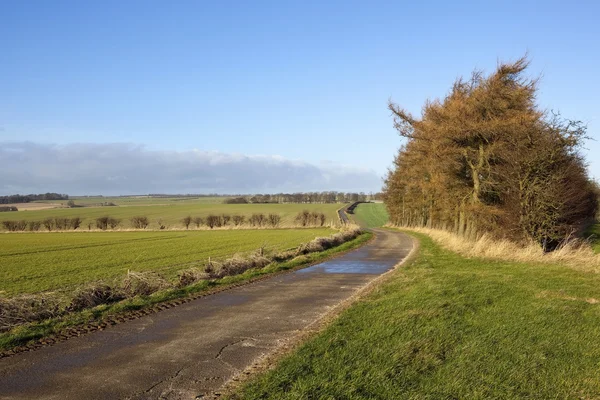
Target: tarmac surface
195, 348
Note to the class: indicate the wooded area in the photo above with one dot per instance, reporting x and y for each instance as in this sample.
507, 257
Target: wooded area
486, 159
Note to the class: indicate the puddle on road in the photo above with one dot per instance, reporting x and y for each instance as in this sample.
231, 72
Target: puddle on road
350, 267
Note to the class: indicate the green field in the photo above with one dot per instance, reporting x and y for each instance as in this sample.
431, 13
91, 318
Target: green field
371, 215
449, 327
33, 262
171, 213
143, 200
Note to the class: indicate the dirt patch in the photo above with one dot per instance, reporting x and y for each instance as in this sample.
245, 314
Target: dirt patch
35, 206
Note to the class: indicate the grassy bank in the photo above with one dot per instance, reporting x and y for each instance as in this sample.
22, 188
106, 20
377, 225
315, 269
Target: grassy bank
34, 262
371, 215
25, 334
446, 326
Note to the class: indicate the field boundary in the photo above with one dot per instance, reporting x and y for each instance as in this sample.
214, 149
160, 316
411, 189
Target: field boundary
66, 331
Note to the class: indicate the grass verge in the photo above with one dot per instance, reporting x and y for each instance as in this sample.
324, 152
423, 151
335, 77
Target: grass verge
60, 328
447, 326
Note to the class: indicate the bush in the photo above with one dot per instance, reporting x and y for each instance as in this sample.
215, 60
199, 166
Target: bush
61, 223
258, 219
102, 223
236, 200
238, 220
48, 224
113, 222
213, 221
303, 217
274, 219
8, 208
14, 226
187, 221
34, 226
139, 222
75, 222
226, 218
198, 221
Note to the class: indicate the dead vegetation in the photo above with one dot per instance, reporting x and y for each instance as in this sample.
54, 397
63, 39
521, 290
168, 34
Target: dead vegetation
576, 254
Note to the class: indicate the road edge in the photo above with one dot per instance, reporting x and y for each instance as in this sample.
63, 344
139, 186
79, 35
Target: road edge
269, 361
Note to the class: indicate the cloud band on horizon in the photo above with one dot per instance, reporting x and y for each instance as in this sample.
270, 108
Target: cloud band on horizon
125, 168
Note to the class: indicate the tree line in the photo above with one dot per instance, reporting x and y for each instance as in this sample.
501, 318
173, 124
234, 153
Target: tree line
26, 198
304, 198
486, 159
304, 218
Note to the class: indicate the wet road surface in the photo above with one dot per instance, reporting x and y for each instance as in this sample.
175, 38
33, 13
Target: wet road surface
194, 348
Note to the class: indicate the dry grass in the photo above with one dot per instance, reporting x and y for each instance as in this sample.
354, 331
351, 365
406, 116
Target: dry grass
27, 308
575, 254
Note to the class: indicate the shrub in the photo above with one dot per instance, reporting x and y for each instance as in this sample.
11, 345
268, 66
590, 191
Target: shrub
213, 221
13, 226
303, 217
102, 223
258, 219
75, 223
161, 226
236, 200
238, 220
139, 222
187, 221
8, 208
198, 221
34, 225
226, 218
322, 219
61, 223
113, 222
274, 219
48, 224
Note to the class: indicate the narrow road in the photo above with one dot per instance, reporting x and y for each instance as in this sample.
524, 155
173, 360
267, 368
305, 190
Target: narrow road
194, 348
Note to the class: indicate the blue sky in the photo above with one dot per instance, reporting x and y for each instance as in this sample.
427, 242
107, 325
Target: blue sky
307, 82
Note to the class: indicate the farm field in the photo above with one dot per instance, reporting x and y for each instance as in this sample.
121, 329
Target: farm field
371, 215
448, 327
146, 200
172, 213
34, 262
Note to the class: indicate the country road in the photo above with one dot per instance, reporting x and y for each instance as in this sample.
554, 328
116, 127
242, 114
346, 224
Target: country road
195, 348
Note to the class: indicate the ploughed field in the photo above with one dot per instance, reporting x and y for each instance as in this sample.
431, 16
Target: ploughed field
34, 262
169, 211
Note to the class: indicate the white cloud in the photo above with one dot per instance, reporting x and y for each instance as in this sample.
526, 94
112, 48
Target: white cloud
120, 168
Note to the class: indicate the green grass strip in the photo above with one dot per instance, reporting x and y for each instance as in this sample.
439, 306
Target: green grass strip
448, 327
34, 331
371, 215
